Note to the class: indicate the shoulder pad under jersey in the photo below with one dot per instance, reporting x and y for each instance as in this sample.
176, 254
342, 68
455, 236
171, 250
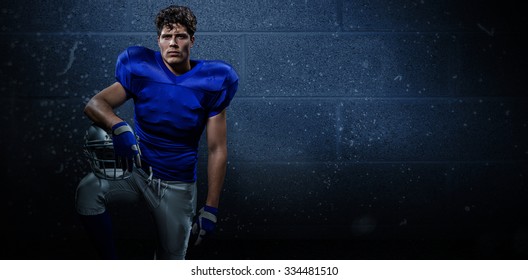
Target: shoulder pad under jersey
138, 60
214, 75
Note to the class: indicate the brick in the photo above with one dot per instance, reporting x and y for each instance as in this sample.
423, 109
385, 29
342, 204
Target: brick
490, 65
282, 130
65, 16
433, 130
348, 65
243, 16
446, 16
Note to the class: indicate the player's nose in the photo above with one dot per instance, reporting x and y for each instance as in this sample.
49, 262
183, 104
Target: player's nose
173, 42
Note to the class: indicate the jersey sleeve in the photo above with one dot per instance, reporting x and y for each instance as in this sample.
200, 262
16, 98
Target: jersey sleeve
223, 99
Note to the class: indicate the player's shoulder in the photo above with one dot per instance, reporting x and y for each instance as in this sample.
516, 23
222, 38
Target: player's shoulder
135, 54
219, 70
212, 76
218, 66
139, 51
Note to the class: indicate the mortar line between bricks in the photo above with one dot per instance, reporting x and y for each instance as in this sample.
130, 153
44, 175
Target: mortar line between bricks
238, 33
243, 55
359, 98
369, 98
430, 162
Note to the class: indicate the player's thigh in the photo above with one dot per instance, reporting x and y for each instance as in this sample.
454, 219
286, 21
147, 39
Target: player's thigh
174, 219
93, 194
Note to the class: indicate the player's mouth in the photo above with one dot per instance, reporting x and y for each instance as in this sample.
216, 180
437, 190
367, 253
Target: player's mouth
173, 53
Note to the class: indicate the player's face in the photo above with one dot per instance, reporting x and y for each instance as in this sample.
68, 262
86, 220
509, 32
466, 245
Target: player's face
175, 47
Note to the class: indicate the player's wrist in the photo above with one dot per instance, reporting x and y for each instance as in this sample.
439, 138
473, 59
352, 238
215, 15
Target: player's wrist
118, 125
109, 122
212, 199
211, 209
121, 128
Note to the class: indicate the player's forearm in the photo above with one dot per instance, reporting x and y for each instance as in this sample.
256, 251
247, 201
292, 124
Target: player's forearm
100, 109
101, 113
216, 170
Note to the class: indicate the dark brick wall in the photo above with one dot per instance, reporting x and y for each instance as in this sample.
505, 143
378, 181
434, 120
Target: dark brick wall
361, 129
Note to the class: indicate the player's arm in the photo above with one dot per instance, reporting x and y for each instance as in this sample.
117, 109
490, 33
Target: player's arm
217, 157
204, 223
100, 108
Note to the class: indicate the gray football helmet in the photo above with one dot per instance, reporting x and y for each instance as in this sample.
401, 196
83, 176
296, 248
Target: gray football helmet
99, 150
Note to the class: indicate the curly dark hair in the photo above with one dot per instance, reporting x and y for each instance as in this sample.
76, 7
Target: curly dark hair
176, 14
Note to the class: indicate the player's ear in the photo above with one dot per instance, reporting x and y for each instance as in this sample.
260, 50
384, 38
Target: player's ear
192, 40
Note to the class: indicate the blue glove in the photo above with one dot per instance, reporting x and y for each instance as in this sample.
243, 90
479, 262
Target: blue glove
205, 223
126, 148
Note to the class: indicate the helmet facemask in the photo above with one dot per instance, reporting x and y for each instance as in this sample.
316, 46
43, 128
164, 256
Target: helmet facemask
99, 150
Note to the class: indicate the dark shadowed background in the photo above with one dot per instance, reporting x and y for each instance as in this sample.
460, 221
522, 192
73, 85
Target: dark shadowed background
361, 129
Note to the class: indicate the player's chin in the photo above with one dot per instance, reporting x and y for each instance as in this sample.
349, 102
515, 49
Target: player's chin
174, 59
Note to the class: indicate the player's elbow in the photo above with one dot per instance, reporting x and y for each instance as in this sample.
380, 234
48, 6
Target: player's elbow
100, 112
91, 108
218, 150
88, 108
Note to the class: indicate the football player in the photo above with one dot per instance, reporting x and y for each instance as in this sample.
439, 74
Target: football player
175, 99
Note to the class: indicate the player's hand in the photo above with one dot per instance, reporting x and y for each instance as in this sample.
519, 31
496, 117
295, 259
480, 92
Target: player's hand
126, 148
204, 224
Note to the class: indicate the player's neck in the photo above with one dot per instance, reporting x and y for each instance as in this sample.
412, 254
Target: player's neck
180, 68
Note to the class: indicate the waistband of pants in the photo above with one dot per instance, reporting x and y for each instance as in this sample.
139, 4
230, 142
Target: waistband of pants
147, 168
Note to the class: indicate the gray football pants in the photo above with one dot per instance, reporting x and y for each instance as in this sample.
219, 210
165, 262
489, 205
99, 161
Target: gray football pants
172, 205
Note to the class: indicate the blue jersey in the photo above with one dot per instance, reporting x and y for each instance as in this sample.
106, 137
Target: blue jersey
170, 112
